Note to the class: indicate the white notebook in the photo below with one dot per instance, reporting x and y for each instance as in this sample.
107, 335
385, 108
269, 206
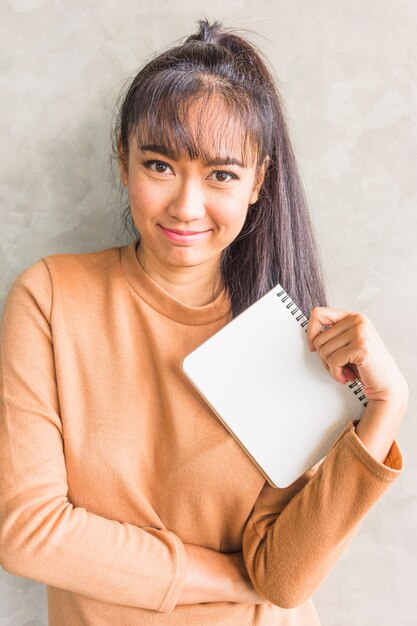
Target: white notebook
274, 396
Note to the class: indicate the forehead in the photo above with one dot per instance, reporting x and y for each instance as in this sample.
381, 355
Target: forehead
205, 129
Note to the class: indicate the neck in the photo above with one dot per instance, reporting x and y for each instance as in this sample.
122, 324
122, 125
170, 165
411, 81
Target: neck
196, 286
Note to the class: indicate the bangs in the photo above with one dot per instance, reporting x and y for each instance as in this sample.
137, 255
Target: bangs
196, 117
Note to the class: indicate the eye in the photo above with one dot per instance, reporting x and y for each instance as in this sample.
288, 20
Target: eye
223, 174
158, 165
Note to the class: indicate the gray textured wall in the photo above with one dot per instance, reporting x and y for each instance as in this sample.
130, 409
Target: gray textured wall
346, 70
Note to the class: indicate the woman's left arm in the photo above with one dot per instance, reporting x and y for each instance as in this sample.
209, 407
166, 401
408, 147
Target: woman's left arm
295, 535
350, 348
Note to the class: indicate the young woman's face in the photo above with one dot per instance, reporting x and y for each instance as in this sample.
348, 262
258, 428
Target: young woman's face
188, 211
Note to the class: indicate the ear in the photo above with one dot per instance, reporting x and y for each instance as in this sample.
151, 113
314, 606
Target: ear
259, 179
122, 162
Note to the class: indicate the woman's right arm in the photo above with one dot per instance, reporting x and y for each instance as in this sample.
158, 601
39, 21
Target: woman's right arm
217, 577
43, 536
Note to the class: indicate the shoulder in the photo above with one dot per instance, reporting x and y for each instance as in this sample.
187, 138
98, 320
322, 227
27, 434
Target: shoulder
70, 266
73, 274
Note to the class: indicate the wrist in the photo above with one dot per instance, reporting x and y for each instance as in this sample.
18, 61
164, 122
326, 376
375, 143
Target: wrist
395, 404
211, 576
392, 409
379, 425
235, 575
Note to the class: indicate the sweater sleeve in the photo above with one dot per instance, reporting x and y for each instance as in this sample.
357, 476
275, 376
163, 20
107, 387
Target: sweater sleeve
294, 536
43, 536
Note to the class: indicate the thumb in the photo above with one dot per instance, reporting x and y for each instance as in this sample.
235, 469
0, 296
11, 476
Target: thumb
321, 318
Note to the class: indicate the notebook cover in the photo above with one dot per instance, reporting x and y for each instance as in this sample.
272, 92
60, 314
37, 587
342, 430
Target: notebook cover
274, 396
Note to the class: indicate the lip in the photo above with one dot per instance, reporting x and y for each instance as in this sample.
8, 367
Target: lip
183, 235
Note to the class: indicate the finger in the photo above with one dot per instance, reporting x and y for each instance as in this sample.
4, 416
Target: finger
325, 351
337, 336
327, 348
347, 374
321, 317
342, 364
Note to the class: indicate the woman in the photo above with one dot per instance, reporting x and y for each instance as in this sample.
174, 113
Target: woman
119, 489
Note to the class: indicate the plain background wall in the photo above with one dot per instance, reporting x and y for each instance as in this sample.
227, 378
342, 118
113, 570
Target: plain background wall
346, 70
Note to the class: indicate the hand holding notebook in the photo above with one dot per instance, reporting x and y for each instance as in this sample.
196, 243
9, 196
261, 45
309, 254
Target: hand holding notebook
272, 393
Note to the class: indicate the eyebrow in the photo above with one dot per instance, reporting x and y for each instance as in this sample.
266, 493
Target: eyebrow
218, 160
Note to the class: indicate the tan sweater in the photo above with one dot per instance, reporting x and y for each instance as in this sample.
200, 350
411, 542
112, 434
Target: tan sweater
110, 460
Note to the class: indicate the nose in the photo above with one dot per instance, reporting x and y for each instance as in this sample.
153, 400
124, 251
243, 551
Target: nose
188, 202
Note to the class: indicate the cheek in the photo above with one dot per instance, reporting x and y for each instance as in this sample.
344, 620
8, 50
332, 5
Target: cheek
236, 205
145, 200
230, 215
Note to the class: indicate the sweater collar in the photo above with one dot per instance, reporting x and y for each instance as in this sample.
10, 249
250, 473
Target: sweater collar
164, 302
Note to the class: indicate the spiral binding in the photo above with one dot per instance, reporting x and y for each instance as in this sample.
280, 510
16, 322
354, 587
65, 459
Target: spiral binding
356, 385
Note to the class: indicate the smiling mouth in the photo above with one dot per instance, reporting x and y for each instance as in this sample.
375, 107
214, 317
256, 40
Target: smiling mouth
183, 235
184, 232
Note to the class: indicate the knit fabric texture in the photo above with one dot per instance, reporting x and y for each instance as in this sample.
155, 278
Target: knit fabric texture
110, 459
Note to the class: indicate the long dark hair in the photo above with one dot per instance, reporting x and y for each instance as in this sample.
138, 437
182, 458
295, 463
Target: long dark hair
277, 242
